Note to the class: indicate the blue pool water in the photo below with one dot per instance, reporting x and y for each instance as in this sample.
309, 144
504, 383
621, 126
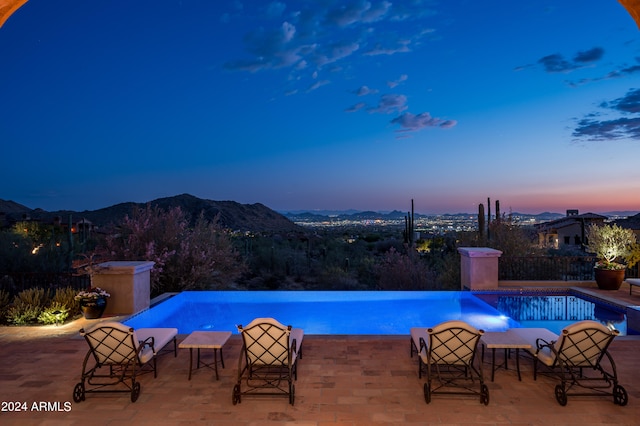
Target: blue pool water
321, 312
327, 312
556, 311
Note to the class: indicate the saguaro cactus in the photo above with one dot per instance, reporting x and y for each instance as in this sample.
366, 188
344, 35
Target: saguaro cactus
481, 223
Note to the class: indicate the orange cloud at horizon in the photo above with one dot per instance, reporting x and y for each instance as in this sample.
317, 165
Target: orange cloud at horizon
7, 7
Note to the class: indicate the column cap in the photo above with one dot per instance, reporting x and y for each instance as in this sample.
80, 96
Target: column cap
125, 267
479, 252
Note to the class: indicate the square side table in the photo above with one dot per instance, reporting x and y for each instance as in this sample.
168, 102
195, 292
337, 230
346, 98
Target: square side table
205, 340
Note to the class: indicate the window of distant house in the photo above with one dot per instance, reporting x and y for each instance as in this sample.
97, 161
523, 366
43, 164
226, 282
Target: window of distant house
577, 240
567, 240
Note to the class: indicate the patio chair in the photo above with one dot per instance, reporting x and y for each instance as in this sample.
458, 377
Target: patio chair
577, 359
120, 354
447, 358
268, 362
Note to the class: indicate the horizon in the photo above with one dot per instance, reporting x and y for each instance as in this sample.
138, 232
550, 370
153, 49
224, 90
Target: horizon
355, 211
337, 105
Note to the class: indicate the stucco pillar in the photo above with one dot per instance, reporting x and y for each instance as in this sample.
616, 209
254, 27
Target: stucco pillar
479, 268
128, 282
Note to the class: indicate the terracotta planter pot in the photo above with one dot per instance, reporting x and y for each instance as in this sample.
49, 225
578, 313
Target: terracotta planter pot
609, 279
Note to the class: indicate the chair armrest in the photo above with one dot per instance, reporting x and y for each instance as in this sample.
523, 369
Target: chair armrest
541, 343
149, 341
423, 344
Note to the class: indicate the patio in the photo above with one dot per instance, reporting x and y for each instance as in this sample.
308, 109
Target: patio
344, 380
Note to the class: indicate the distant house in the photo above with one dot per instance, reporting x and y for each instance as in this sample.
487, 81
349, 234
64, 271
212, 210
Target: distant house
567, 232
632, 222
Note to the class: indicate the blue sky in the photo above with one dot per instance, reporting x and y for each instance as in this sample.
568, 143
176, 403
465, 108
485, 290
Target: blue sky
322, 104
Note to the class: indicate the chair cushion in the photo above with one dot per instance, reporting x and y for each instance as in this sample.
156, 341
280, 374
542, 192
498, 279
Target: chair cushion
161, 336
298, 335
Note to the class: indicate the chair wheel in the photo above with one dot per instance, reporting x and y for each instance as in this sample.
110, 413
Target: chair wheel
620, 396
427, 393
484, 395
135, 392
78, 392
561, 395
235, 397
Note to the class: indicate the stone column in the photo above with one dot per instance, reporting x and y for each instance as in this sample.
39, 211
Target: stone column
479, 268
128, 282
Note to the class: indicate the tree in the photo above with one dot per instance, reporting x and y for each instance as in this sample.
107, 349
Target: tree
206, 258
185, 257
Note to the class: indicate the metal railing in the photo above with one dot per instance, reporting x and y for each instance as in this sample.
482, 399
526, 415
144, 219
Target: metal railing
551, 268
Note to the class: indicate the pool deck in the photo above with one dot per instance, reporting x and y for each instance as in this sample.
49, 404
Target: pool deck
342, 380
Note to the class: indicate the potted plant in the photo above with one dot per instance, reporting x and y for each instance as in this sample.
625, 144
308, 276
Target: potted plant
93, 302
614, 248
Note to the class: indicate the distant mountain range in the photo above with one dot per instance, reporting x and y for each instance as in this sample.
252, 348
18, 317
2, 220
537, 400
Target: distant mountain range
318, 215
394, 215
236, 216
233, 215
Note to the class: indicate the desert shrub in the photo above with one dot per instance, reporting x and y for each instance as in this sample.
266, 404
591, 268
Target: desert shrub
21, 313
55, 313
399, 271
66, 298
27, 306
4, 304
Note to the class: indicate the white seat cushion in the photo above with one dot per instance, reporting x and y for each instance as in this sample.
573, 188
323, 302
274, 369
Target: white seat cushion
161, 336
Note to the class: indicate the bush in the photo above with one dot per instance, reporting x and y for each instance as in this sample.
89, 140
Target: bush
4, 305
27, 306
66, 298
56, 313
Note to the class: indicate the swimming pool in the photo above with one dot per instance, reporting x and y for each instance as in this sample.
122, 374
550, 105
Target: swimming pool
555, 311
322, 312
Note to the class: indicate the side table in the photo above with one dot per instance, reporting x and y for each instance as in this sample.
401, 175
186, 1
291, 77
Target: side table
206, 340
506, 340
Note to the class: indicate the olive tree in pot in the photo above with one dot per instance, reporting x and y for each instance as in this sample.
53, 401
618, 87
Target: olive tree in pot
614, 247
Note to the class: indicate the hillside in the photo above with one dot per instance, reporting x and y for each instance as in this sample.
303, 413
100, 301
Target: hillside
233, 215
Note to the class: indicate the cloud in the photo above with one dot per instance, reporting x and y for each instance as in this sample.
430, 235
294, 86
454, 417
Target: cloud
357, 12
356, 107
364, 90
590, 55
401, 47
270, 49
317, 85
591, 127
630, 103
390, 103
623, 72
411, 122
393, 84
556, 63
334, 53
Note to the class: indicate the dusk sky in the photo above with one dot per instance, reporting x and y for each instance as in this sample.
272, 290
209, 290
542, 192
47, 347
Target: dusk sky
322, 104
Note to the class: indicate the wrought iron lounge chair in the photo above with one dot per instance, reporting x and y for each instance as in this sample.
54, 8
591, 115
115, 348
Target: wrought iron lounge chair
577, 359
120, 354
448, 357
268, 361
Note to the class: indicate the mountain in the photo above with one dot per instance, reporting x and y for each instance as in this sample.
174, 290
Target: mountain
11, 207
232, 215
